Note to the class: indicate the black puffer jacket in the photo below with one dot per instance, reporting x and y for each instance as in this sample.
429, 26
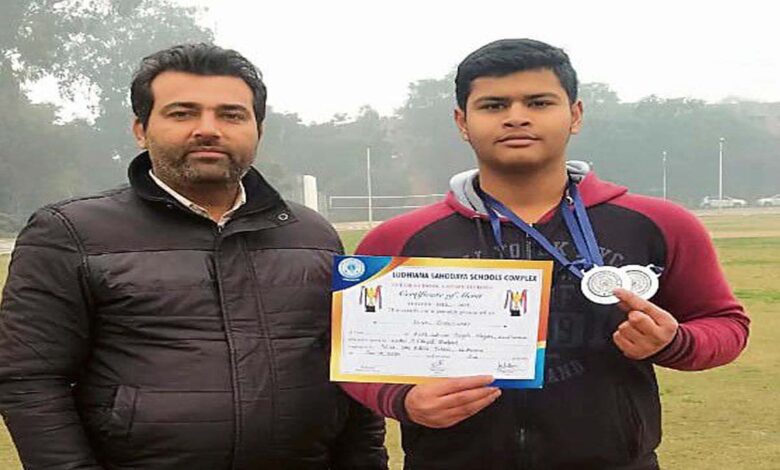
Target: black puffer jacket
136, 334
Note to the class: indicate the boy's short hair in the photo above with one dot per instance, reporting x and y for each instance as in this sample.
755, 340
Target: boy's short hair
198, 59
507, 56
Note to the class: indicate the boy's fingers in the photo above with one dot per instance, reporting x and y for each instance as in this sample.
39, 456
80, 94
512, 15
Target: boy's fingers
630, 301
628, 348
642, 322
466, 398
630, 333
459, 384
476, 406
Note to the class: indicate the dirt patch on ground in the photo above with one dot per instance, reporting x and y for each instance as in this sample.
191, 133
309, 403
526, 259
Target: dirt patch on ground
746, 234
6, 245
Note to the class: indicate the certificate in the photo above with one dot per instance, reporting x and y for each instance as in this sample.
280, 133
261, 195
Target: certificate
413, 320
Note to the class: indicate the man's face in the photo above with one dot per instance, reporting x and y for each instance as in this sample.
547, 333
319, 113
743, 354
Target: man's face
201, 130
519, 121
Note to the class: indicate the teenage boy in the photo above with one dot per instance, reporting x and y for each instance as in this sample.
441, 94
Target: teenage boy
599, 407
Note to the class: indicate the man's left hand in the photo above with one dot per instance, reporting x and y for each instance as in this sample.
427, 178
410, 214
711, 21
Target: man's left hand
647, 329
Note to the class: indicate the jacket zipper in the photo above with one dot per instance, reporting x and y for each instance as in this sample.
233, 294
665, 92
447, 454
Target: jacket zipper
231, 346
268, 344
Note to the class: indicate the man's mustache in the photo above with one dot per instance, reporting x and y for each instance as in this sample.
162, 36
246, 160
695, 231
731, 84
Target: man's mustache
207, 148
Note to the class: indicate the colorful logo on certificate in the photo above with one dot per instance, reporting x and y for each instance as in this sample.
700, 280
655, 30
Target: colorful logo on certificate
351, 268
516, 302
371, 298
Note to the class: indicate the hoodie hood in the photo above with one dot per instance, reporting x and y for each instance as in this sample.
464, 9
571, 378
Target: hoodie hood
465, 200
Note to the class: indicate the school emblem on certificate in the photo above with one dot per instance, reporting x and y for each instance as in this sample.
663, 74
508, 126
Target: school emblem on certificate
413, 320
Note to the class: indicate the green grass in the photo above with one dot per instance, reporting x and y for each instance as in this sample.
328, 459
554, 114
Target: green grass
351, 238
3, 270
728, 417
722, 418
743, 226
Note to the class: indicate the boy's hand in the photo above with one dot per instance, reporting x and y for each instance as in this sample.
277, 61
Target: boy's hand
647, 329
444, 403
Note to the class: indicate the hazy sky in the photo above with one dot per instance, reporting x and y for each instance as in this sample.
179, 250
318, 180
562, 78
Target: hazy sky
324, 57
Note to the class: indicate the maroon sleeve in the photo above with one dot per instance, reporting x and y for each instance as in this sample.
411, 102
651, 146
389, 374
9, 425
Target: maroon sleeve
713, 325
388, 240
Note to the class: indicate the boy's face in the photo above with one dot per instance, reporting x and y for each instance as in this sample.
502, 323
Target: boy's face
519, 121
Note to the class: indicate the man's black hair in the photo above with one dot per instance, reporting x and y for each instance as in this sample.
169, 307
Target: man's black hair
198, 59
507, 56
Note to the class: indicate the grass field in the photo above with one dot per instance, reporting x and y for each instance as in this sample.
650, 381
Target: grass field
727, 418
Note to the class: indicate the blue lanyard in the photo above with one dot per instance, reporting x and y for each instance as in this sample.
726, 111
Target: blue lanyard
578, 224
585, 228
576, 235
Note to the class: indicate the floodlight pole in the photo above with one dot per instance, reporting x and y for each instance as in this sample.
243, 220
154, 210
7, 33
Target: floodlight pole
663, 157
368, 185
720, 169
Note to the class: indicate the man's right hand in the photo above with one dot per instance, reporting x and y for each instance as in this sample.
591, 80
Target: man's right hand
445, 403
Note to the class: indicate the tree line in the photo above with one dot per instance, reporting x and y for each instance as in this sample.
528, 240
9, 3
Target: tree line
91, 48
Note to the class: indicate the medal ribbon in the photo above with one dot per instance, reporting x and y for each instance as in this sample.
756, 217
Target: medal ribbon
577, 237
585, 228
585, 242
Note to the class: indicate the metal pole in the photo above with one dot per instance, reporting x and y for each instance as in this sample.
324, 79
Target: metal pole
368, 183
720, 170
664, 164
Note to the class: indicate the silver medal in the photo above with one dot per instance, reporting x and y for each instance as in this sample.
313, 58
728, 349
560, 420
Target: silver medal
644, 281
598, 283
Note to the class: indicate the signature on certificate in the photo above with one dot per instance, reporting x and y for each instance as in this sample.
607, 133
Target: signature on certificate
512, 367
507, 367
437, 367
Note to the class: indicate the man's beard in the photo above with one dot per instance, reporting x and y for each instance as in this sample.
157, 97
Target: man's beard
173, 165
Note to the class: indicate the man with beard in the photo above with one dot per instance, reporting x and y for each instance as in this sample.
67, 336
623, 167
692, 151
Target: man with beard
180, 322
